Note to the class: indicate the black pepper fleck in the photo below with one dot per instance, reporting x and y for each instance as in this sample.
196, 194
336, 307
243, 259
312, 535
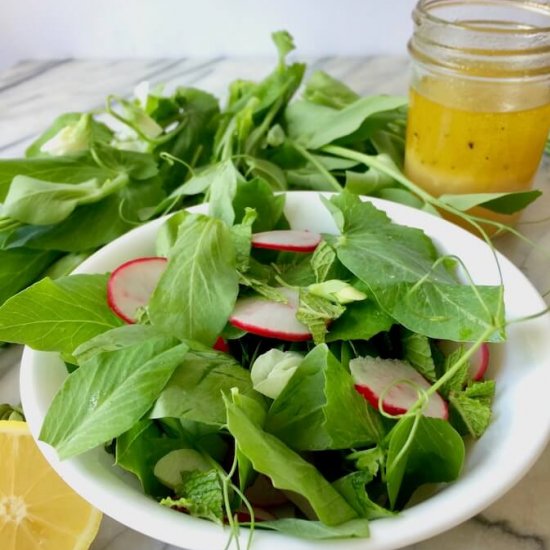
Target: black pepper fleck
471, 144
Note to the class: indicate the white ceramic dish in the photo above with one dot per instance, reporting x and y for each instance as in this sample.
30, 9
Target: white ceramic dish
517, 436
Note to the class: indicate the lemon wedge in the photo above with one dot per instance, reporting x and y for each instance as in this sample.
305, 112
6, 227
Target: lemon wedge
38, 510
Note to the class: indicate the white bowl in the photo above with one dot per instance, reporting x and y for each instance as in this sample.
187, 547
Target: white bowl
516, 437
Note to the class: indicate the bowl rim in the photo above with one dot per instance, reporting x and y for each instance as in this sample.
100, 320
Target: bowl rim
449, 507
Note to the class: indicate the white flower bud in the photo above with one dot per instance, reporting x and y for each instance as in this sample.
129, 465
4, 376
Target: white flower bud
272, 370
337, 291
73, 138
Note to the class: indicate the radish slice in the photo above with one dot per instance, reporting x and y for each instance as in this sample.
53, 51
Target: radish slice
271, 319
291, 240
221, 345
131, 284
375, 377
479, 361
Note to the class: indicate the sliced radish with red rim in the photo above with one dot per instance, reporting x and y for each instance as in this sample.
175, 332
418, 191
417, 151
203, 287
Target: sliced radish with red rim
396, 382
263, 317
290, 240
131, 284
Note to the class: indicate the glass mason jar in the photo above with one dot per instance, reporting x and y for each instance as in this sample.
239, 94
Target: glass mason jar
479, 112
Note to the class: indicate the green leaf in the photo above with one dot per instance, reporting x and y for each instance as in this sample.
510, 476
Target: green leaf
20, 267
58, 315
372, 182
201, 496
369, 460
315, 125
285, 44
353, 488
286, 469
98, 132
360, 321
108, 394
325, 90
315, 530
113, 340
269, 172
92, 225
473, 406
69, 169
417, 352
421, 450
139, 166
401, 196
257, 194
222, 191
400, 268
195, 390
502, 203
41, 202
140, 448
197, 292
310, 414
316, 312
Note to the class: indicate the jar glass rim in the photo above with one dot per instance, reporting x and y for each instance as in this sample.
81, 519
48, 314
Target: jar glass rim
424, 8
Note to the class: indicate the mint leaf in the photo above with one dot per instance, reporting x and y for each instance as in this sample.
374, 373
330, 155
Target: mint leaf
316, 312
200, 494
473, 405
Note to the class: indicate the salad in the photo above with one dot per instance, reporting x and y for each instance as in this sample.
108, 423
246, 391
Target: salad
254, 374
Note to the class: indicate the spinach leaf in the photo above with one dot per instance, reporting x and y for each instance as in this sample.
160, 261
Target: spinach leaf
320, 409
287, 469
399, 266
21, 267
198, 289
195, 390
58, 315
315, 530
421, 450
108, 394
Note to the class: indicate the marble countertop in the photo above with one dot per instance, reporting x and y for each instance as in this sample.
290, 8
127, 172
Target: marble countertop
33, 93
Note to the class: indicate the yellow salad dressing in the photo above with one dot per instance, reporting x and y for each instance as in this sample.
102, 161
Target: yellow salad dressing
475, 137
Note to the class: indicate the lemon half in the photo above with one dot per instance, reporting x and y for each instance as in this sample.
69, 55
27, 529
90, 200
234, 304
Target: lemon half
38, 510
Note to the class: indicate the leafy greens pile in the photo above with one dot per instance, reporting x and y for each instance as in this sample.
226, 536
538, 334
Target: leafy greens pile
164, 401
92, 176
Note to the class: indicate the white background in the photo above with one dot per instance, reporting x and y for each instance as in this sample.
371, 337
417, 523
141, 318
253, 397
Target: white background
46, 29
